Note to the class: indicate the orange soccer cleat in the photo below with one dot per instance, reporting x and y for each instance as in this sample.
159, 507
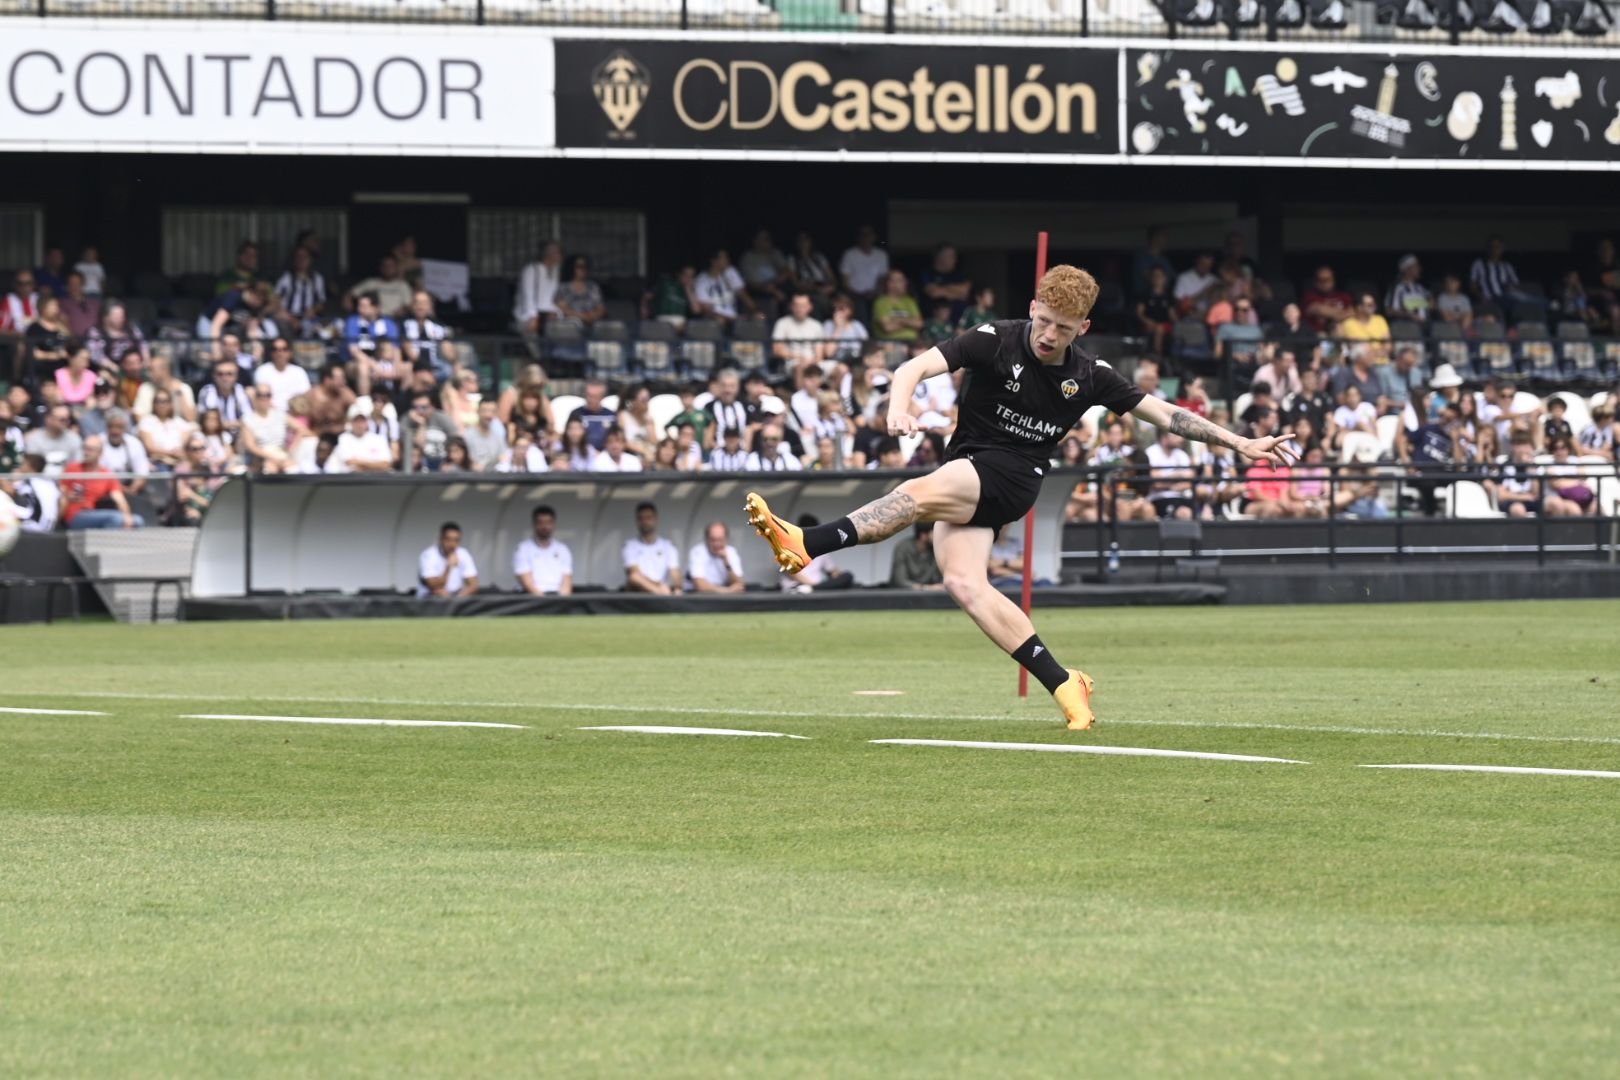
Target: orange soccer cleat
786, 540
1074, 698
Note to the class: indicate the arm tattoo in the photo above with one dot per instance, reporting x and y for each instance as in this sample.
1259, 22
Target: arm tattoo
882, 518
1192, 426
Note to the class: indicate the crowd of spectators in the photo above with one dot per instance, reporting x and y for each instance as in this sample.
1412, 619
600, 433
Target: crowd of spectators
297, 375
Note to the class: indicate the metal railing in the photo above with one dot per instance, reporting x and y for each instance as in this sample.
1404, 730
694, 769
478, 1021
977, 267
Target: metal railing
1432, 22
1402, 490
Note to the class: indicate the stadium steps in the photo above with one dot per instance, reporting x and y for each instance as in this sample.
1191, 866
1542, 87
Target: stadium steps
123, 563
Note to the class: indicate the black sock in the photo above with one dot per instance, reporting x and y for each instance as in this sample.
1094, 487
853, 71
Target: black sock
820, 539
1041, 664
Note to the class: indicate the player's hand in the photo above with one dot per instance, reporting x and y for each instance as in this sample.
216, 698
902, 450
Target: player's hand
902, 424
1277, 449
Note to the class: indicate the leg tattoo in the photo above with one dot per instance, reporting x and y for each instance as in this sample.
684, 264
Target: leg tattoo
882, 518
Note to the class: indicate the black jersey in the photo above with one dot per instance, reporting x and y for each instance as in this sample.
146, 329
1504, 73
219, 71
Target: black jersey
1012, 401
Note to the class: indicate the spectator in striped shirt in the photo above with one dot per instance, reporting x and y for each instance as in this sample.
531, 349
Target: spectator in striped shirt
1496, 283
725, 410
426, 338
224, 395
1409, 298
302, 289
729, 456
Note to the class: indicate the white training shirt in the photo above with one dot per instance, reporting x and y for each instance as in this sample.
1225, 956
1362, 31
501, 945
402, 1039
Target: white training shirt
549, 563
656, 560
603, 462
432, 563
285, 384
704, 565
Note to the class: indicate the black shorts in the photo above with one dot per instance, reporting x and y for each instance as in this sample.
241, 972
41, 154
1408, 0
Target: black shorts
1008, 486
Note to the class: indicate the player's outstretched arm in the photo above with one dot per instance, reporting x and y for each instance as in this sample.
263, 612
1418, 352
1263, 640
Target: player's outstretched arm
906, 378
1189, 425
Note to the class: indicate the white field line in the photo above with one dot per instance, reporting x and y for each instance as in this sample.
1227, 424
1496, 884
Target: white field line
354, 720
656, 729
1064, 748
800, 714
50, 712
1502, 769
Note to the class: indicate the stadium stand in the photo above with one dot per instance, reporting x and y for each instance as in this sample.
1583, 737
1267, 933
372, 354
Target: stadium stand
182, 380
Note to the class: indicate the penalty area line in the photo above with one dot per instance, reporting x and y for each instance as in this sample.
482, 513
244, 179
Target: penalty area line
1066, 748
660, 729
1513, 769
350, 720
827, 714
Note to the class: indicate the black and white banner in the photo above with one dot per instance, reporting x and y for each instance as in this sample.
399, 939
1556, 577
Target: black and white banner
804, 95
1409, 107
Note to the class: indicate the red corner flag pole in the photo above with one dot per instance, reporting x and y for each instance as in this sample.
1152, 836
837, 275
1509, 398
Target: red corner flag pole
1029, 518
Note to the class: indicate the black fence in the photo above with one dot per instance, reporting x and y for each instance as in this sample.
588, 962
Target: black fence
1454, 22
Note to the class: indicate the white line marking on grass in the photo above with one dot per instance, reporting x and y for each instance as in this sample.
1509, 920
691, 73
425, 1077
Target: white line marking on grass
1502, 769
50, 712
656, 729
877, 693
1065, 748
828, 714
355, 720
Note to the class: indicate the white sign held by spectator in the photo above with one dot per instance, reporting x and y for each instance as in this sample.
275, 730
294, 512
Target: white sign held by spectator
277, 89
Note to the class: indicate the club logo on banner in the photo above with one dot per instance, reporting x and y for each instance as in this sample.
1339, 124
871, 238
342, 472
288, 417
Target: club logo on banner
621, 87
709, 95
1278, 103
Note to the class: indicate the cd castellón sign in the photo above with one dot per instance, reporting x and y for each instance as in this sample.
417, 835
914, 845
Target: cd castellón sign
792, 96
279, 89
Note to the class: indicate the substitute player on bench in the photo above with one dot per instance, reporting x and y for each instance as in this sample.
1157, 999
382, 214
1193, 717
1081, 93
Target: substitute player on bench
1028, 384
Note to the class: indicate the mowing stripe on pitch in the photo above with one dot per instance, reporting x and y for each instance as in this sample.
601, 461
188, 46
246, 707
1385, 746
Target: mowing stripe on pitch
1065, 748
50, 712
1030, 715
349, 720
658, 729
1502, 769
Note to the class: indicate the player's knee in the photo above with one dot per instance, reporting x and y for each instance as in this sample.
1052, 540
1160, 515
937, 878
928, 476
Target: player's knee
965, 589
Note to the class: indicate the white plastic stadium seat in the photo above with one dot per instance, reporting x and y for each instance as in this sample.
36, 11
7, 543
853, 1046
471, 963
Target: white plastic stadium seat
1389, 428
909, 444
1242, 404
663, 408
563, 406
1524, 401
1469, 499
1598, 398
1358, 446
611, 402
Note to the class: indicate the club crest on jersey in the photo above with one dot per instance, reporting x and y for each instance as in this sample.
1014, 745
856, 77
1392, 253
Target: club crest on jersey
1070, 388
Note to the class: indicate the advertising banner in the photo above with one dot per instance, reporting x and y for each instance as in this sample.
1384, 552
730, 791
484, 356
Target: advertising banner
1408, 106
272, 88
822, 97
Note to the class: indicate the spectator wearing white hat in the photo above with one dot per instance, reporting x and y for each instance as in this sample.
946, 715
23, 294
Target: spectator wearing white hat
361, 448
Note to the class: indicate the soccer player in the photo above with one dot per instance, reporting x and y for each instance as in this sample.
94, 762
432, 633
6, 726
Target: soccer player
1029, 382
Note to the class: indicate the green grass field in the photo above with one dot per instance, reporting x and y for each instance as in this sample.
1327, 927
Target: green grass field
225, 898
